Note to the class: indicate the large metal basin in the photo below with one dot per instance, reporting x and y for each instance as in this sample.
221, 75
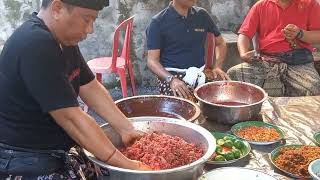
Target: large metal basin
188, 131
159, 106
230, 102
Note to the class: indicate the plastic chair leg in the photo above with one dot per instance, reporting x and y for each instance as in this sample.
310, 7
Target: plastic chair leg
133, 84
123, 81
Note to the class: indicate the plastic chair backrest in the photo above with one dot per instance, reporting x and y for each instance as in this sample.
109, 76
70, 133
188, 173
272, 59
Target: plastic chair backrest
211, 50
127, 25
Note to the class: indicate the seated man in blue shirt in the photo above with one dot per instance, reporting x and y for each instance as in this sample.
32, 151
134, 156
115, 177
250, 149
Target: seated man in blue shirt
176, 42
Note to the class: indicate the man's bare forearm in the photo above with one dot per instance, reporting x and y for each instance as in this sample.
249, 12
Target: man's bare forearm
84, 130
243, 44
221, 52
244, 48
157, 69
312, 37
154, 64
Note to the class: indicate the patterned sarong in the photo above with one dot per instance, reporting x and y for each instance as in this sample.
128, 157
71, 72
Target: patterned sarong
278, 78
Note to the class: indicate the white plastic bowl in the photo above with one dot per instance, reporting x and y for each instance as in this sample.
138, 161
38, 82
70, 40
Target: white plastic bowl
314, 169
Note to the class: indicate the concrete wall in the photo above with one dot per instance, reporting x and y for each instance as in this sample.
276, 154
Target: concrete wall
12, 14
228, 14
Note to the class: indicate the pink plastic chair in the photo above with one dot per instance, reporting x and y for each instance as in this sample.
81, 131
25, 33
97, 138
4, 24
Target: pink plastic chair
210, 51
117, 64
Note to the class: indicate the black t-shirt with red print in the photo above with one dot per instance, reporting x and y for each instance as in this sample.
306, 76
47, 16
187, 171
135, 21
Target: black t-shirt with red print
38, 76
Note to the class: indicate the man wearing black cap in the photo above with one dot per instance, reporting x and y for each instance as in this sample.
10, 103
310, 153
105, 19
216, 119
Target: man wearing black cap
42, 72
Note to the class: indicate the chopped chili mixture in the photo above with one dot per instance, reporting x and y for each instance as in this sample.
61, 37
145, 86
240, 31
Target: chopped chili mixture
262, 134
296, 160
162, 151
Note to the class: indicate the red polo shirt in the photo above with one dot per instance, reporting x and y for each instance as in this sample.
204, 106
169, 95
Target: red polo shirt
268, 19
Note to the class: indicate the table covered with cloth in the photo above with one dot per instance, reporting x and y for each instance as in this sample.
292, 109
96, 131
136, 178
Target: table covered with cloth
298, 117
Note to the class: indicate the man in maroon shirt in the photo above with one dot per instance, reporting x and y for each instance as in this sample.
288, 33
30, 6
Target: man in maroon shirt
282, 62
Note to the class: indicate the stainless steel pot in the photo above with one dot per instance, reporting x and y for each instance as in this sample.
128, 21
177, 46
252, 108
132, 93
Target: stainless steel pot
159, 106
188, 131
230, 102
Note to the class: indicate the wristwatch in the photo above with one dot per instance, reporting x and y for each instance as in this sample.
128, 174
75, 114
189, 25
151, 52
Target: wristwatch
300, 34
169, 78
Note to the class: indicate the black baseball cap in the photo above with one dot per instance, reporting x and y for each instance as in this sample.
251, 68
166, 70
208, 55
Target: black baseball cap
90, 4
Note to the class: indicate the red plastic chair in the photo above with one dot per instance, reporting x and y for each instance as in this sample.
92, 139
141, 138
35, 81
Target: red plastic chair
210, 51
117, 64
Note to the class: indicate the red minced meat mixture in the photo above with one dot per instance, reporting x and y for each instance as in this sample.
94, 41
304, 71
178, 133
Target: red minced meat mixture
162, 151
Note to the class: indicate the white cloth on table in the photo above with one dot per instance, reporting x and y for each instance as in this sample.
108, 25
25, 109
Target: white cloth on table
194, 76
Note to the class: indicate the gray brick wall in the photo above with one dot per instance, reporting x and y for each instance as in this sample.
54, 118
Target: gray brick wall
228, 14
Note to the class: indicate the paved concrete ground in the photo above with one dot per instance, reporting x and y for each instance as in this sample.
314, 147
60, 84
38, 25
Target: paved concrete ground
116, 94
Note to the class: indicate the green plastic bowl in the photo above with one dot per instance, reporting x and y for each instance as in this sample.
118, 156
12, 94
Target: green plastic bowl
235, 128
316, 137
274, 155
314, 169
245, 151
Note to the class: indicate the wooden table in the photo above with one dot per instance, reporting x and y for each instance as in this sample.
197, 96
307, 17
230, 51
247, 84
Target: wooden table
299, 117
